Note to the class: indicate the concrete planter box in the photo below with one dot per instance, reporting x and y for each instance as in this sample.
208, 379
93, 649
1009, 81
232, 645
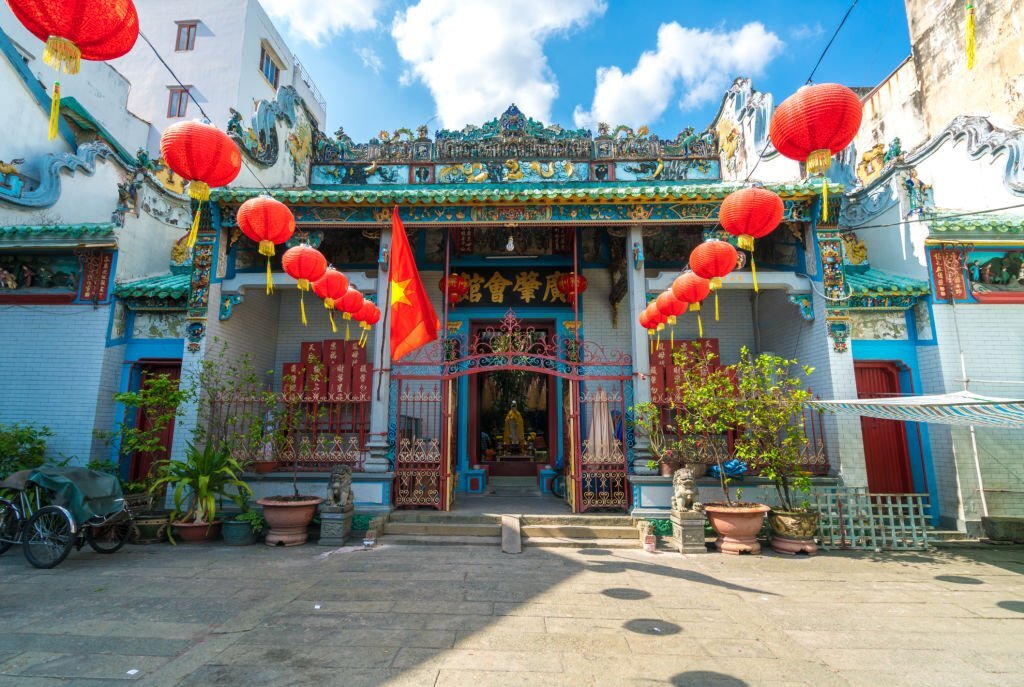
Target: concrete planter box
1004, 529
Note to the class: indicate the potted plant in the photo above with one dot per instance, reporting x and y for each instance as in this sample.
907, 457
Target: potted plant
288, 516
647, 419
245, 527
707, 408
773, 440
199, 482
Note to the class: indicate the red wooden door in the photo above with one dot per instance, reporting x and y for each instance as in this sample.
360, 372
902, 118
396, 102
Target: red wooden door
142, 462
885, 441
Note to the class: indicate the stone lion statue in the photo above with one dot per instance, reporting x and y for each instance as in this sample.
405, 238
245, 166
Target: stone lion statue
339, 489
684, 490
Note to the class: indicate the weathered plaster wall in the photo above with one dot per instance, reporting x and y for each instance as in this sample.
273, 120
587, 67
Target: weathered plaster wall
893, 109
995, 86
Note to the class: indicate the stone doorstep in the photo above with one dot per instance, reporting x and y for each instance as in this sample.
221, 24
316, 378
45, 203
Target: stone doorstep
443, 529
440, 540
579, 532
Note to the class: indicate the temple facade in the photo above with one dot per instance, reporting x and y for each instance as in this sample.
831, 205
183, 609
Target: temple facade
880, 284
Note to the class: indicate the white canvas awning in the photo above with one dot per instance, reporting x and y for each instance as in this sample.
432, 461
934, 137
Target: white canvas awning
961, 408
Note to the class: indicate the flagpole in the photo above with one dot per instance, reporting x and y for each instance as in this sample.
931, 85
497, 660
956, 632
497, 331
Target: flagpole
384, 321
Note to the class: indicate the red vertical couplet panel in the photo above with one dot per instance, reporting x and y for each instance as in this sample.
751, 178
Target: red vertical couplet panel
885, 441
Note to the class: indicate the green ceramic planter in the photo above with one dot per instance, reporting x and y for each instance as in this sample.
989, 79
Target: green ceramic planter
151, 527
238, 533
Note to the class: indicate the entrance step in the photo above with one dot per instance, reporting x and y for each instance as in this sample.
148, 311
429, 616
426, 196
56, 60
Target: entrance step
437, 529
436, 516
557, 543
580, 532
433, 540
587, 519
514, 487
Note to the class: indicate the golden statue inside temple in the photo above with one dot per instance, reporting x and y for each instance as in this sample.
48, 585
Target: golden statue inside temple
515, 435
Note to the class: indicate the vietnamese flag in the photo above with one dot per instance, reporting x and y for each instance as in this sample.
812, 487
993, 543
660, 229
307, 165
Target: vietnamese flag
413, 321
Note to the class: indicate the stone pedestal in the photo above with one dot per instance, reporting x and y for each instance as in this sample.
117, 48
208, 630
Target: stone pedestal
335, 524
688, 531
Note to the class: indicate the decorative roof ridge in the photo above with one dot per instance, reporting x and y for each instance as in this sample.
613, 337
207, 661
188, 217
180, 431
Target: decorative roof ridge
77, 229
172, 287
874, 281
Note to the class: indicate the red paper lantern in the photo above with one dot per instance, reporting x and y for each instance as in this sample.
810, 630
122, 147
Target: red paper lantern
374, 316
267, 222
572, 285
331, 287
204, 156
362, 317
669, 306
692, 289
643, 320
76, 30
306, 265
713, 260
751, 213
816, 122
455, 287
654, 316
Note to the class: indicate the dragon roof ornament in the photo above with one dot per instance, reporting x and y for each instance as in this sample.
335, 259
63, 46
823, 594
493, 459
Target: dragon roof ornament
514, 135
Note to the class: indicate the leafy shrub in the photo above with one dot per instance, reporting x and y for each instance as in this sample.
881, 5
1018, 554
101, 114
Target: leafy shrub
22, 447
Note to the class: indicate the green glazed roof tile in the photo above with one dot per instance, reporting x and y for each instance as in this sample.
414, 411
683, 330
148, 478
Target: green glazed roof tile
977, 224
172, 286
877, 282
426, 194
57, 231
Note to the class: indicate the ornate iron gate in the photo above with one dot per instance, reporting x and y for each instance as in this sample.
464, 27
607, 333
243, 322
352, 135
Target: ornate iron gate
596, 405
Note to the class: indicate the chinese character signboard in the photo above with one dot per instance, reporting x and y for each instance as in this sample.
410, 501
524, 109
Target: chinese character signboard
514, 287
948, 275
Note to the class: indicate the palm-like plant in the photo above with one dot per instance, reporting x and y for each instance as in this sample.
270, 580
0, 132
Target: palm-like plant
199, 480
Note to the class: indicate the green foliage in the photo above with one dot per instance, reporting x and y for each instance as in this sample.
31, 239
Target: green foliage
22, 447
760, 398
773, 437
161, 399
254, 518
199, 481
647, 420
361, 522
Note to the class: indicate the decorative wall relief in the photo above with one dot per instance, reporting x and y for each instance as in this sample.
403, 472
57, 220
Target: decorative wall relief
919, 194
923, 320
839, 332
227, 305
359, 174
996, 276
668, 170
805, 303
879, 326
26, 273
855, 252
158, 325
27, 191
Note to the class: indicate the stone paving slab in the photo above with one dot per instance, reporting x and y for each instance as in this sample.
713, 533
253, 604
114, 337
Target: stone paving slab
214, 615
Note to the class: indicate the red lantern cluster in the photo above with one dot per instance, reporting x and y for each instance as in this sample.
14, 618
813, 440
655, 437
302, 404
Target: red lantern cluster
571, 285
267, 222
713, 260
306, 265
454, 287
692, 289
751, 213
367, 316
76, 30
204, 156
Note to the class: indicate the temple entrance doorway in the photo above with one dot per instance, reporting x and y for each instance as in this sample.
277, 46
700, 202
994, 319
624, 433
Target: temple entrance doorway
512, 427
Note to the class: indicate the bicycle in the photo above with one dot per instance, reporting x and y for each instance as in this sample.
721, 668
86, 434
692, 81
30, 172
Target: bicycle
558, 483
46, 529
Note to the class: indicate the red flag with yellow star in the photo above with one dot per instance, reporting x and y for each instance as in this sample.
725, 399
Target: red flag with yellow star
413, 320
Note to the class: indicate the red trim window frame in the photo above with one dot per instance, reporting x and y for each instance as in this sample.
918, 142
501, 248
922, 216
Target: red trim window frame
177, 101
186, 39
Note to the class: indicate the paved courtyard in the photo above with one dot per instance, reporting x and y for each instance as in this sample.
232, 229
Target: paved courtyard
452, 615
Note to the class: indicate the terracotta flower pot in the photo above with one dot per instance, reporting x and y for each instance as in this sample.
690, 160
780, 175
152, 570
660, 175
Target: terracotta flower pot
793, 531
262, 467
196, 531
288, 517
736, 526
668, 469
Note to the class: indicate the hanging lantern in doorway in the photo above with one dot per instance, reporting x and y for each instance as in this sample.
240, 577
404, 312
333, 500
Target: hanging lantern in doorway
692, 289
202, 155
454, 287
655, 320
331, 287
267, 222
351, 302
670, 307
572, 286
306, 265
76, 30
646, 323
814, 124
363, 318
751, 213
713, 260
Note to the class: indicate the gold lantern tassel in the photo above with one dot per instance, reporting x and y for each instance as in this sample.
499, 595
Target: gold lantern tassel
753, 271
267, 249
329, 304
660, 328
700, 326
303, 287
60, 53
970, 35
650, 335
672, 333
824, 199
54, 111
716, 306
348, 318
365, 336
199, 191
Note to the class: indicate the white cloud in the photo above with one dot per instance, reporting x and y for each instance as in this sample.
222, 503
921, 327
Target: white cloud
315, 21
703, 62
370, 59
803, 32
478, 56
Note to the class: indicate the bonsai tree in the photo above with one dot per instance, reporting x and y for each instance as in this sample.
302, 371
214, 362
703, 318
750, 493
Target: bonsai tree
773, 438
706, 409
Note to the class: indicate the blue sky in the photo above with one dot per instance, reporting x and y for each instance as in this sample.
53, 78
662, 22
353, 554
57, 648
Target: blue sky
384, 64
